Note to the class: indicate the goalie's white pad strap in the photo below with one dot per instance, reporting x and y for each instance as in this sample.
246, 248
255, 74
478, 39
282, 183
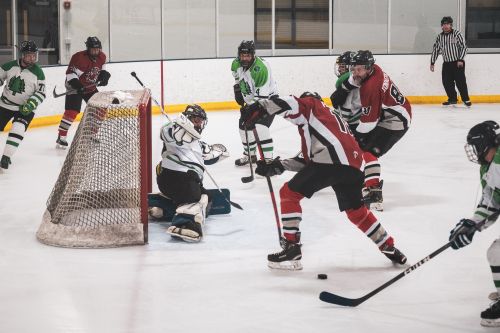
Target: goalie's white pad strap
186, 124
185, 234
196, 209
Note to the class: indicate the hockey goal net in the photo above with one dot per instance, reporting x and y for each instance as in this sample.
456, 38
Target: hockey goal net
100, 197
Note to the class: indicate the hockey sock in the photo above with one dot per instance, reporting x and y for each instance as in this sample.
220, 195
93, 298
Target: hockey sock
494, 261
16, 135
372, 170
265, 140
66, 121
367, 222
291, 212
251, 141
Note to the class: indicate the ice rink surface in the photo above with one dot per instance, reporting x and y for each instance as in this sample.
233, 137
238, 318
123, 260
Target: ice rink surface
223, 284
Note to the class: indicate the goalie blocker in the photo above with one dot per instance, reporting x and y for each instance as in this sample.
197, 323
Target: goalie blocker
162, 209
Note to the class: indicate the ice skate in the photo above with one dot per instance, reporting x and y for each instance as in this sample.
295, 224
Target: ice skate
449, 103
61, 142
372, 197
245, 160
288, 259
491, 316
4, 162
190, 232
393, 254
468, 104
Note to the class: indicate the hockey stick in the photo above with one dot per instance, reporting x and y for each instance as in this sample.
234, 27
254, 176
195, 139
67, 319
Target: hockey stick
250, 178
344, 301
234, 204
56, 95
270, 186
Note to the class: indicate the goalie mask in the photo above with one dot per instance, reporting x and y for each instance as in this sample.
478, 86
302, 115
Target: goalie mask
29, 52
480, 139
197, 116
343, 63
246, 53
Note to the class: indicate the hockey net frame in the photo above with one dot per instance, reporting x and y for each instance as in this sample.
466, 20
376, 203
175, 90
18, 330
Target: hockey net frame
100, 197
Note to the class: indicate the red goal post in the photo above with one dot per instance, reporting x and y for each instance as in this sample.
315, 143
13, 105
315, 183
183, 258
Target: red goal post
100, 197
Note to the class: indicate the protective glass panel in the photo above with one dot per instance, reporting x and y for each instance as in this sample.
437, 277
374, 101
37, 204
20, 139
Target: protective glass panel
236, 23
483, 23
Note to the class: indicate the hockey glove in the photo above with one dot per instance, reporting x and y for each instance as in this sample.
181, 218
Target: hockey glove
103, 78
462, 234
269, 168
28, 107
339, 97
238, 96
252, 113
77, 85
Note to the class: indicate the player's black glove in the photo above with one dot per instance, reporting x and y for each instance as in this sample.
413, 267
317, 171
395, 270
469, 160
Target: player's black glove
462, 234
238, 96
339, 97
269, 168
103, 78
250, 114
77, 85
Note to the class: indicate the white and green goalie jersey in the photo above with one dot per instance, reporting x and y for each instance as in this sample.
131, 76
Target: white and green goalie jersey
490, 181
256, 82
21, 85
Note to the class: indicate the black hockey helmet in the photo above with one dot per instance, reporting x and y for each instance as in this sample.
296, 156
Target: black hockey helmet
480, 139
195, 111
311, 94
363, 57
28, 46
246, 47
343, 62
93, 43
446, 20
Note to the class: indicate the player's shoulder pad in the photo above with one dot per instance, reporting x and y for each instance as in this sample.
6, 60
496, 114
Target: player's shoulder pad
37, 71
8, 65
235, 64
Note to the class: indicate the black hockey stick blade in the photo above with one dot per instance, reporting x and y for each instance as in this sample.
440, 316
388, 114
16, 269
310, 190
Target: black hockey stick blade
247, 179
235, 205
327, 297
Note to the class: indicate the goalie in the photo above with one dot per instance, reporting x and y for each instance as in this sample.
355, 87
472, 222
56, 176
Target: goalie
180, 173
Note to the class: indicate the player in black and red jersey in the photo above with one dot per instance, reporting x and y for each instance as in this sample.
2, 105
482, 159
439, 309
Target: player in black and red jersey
385, 118
332, 159
86, 71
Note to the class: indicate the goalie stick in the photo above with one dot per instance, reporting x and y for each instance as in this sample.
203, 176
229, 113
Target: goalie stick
250, 178
234, 204
56, 95
328, 297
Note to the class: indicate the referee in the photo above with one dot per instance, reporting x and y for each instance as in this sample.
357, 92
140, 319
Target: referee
450, 43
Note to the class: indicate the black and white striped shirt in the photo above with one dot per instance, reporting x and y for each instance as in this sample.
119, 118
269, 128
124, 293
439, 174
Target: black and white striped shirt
451, 46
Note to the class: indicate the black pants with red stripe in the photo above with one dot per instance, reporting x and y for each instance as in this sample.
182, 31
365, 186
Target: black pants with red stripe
451, 75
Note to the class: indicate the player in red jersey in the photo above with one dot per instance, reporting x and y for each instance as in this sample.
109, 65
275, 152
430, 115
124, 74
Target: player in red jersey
385, 118
332, 159
86, 71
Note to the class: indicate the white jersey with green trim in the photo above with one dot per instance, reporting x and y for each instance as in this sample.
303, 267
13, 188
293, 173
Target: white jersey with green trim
21, 85
490, 181
256, 82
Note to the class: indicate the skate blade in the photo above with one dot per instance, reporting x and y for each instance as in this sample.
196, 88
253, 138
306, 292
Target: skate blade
58, 146
292, 265
494, 296
490, 322
185, 238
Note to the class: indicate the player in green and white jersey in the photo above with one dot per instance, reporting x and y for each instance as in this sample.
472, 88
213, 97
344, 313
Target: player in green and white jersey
483, 141
24, 90
253, 82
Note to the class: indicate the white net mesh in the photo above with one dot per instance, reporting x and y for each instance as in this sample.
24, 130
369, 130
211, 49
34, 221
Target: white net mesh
99, 199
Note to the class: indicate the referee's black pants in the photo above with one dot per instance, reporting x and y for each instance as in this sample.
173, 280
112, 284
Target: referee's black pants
452, 75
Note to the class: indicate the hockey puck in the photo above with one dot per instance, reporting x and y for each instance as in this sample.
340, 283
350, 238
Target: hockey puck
322, 276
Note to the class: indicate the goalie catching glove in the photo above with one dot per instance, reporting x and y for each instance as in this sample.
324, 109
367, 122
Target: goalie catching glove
213, 153
462, 234
269, 168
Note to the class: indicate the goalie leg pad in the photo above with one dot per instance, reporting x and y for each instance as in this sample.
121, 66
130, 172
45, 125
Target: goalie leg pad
185, 228
196, 209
